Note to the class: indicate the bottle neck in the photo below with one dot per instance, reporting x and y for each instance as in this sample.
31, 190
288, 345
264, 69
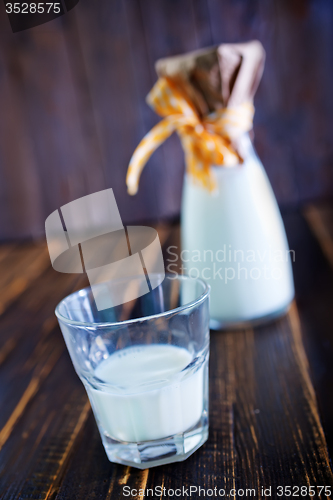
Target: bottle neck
245, 147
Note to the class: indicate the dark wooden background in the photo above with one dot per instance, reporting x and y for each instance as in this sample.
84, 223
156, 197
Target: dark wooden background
72, 105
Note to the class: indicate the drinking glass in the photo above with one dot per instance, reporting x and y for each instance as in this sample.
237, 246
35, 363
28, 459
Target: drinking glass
144, 365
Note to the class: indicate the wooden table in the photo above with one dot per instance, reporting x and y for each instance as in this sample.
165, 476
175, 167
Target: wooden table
265, 387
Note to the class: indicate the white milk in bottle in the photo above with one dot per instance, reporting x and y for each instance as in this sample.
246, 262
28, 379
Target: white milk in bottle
234, 238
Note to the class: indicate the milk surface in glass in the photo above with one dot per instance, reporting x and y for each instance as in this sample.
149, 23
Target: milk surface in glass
146, 396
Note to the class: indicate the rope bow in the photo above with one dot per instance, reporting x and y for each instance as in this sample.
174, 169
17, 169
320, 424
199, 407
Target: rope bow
206, 141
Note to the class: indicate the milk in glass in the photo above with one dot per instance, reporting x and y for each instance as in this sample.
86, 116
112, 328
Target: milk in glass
147, 396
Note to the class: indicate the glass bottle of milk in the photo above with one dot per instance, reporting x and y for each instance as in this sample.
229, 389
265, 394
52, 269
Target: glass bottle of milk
234, 239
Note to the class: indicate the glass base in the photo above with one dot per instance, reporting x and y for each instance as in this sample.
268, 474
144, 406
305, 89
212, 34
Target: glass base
237, 325
158, 452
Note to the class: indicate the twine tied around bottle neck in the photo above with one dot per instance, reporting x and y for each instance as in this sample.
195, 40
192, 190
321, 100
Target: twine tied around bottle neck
206, 140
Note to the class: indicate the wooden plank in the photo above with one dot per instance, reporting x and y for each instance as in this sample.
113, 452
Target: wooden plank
51, 108
310, 237
20, 265
93, 165
30, 327
36, 453
20, 196
30, 409
202, 22
18, 268
5, 249
320, 220
265, 428
40, 372
144, 77
60, 87
272, 121
38, 409
258, 379
169, 28
264, 425
47, 114
264, 422
305, 120
288, 129
116, 113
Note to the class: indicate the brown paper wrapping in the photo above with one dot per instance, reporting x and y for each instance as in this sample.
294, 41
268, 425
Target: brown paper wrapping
223, 76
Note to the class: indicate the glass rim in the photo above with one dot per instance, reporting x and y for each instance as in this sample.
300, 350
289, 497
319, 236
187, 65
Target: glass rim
179, 277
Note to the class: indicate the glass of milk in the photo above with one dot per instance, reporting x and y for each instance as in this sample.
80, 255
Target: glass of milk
235, 240
144, 365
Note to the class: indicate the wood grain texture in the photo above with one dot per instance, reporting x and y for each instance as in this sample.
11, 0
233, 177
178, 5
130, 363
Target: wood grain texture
265, 427
29, 349
264, 424
73, 98
314, 287
18, 268
37, 452
320, 220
